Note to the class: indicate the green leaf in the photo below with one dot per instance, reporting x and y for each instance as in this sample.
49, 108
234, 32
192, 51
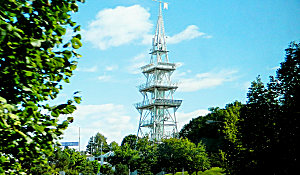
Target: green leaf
17, 35
36, 43
9, 27
3, 32
77, 100
76, 29
78, 36
67, 80
55, 113
61, 31
76, 44
28, 73
70, 119
67, 54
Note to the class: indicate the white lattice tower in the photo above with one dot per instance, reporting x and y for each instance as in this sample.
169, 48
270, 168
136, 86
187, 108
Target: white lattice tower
158, 108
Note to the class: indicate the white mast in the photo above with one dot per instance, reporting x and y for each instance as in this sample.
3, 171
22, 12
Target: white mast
157, 121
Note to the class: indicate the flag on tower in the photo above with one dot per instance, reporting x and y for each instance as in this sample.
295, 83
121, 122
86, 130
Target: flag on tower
165, 5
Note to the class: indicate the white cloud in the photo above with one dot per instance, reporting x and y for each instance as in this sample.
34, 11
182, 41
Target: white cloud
189, 33
184, 118
112, 68
273, 68
137, 62
206, 80
92, 69
122, 25
104, 78
246, 85
92, 111
111, 120
147, 39
179, 64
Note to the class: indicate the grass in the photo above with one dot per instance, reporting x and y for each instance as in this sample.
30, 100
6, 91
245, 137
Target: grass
212, 171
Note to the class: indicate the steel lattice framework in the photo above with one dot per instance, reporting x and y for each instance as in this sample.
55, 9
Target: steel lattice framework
158, 108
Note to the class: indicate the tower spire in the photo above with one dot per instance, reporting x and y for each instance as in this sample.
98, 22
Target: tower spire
159, 44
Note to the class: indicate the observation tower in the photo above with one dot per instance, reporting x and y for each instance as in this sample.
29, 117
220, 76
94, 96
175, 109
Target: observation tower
158, 108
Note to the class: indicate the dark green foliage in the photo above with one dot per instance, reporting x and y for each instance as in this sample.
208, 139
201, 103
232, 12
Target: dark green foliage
113, 145
126, 156
175, 154
147, 161
266, 136
32, 68
106, 169
121, 169
96, 166
67, 160
130, 140
94, 145
151, 158
208, 129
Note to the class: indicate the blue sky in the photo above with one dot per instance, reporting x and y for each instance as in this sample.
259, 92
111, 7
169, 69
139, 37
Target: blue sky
220, 45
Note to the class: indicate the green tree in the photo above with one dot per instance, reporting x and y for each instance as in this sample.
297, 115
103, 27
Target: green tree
67, 160
174, 154
96, 166
147, 161
264, 138
168, 156
121, 169
32, 66
208, 129
130, 140
126, 156
94, 145
196, 159
106, 169
113, 145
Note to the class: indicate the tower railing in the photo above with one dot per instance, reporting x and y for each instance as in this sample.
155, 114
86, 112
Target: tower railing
161, 102
161, 65
158, 83
146, 123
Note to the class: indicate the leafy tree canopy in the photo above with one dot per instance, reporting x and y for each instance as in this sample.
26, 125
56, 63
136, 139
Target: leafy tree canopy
265, 138
130, 140
67, 160
34, 61
94, 145
174, 154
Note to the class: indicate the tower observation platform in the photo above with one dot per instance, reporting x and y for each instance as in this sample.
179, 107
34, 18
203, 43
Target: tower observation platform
158, 108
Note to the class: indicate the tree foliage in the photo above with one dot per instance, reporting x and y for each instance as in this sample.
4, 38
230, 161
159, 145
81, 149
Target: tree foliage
208, 129
147, 160
94, 145
67, 160
265, 138
174, 154
32, 66
130, 140
126, 156
113, 145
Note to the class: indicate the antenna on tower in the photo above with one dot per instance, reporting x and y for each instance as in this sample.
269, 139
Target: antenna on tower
159, 41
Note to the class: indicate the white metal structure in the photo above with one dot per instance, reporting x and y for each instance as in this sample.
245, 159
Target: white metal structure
158, 108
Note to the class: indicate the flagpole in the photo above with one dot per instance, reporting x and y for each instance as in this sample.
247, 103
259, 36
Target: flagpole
79, 139
165, 3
